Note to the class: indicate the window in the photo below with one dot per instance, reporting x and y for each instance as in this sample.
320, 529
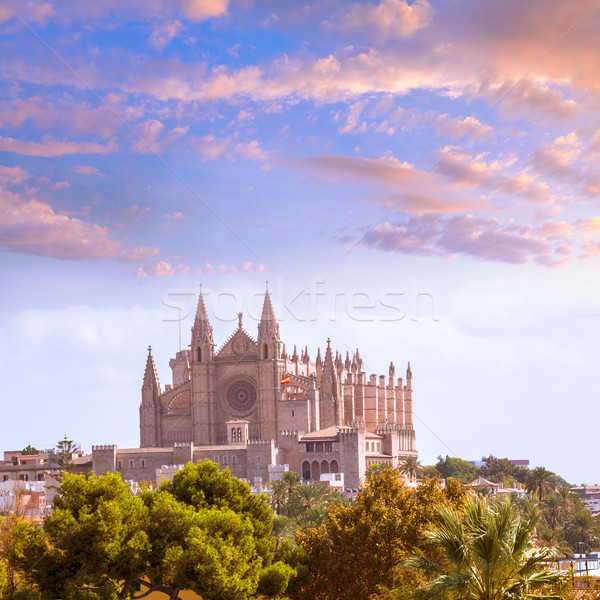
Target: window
266, 351
131, 464
233, 435
143, 464
119, 464
24, 477
225, 460
328, 446
5, 478
310, 448
40, 477
199, 354
234, 459
239, 434
292, 413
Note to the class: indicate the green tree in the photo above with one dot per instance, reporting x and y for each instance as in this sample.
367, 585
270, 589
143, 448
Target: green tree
29, 450
501, 469
359, 547
540, 481
202, 485
457, 468
204, 531
64, 453
93, 545
488, 553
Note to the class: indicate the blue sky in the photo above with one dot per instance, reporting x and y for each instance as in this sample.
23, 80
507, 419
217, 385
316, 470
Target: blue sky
440, 158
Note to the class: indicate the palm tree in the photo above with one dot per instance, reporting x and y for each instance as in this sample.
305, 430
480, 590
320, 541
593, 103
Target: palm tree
411, 467
540, 481
487, 553
308, 496
580, 527
283, 528
553, 509
292, 480
278, 492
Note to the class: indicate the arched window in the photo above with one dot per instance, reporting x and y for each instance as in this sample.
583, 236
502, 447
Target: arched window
334, 466
266, 351
233, 436
234, 459
225, 460
239, 434
199, 354
305, 470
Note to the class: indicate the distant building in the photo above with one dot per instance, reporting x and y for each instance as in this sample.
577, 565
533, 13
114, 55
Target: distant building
590, 495
496, 489
251, 405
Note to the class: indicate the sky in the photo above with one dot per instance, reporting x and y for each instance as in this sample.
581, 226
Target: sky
419, 180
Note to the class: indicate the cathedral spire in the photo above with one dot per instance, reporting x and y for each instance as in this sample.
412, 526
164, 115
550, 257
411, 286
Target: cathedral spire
150, 375
202, 334
268, 328
202, 331
328, 368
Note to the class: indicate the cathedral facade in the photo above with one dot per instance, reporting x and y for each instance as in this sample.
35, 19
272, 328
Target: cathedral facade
254, 407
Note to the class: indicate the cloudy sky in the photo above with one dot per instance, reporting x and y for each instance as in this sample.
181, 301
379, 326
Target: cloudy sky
416, 179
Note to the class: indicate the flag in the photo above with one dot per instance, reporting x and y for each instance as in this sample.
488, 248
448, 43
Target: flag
285, 380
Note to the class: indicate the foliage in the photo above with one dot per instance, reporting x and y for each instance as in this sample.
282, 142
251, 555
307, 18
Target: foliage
540, 481
411, 467
500, 470
275, 579
29, 450
64, 453
487, 553
202, 485
359, 547
204, 531
456, 468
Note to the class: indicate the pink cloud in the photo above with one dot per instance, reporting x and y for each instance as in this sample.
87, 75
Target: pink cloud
163, 33
167, 269
456, 128
40, 11
134, 211
389, 18
32, 226
87, 170
481, 238
52, 148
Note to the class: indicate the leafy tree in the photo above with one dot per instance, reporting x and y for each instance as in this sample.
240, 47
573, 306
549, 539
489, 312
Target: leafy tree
204, 531
457, 468
93, 545
540, 481
488, 553
359, 547
29, 450
500, 470
430, 472
202, 485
